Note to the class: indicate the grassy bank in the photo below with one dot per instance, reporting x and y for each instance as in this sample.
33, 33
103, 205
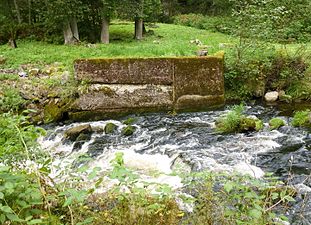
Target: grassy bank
252, 68
168, 40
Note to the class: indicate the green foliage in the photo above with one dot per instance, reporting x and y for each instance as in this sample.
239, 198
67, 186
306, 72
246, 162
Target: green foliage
235, 199
12, 77
11, 100
276, 123
148, 10
129, 121
236, 121
20, 198
206, 7
231, 121
301, 119
214, 24
137, 205
17, 138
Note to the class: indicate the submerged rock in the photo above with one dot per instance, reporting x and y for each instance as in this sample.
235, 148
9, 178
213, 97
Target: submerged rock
272, 96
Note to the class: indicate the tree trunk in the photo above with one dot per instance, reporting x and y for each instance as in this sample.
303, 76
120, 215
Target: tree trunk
12, 43
139, 29
71, 33
144, 29
136, 25
68, 35
29, 12
104, 36
18, 13
74, 29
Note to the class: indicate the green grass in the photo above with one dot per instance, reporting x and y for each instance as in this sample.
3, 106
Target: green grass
168, 40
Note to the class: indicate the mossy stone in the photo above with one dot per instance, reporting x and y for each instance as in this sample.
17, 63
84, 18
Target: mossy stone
302, 119
129, 121
52, 113
73, 133
128, 130
110, 128
276, 123
247, 124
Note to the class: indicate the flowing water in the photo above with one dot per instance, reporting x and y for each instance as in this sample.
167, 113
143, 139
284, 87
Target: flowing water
188, 141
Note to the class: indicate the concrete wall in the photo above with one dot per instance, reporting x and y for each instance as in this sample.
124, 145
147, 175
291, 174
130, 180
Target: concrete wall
149, 84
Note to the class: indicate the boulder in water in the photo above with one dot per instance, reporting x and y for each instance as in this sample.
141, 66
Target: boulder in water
302, 119
110, 128
250, 124
73, 133
247, 169
128, 130
272, 96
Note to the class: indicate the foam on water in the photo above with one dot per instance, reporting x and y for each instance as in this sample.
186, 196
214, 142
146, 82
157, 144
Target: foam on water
159, 138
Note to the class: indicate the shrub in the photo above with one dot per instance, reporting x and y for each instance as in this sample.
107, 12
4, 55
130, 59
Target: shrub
251, 73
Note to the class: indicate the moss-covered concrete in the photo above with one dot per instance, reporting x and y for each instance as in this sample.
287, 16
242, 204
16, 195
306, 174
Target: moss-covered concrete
125, 70
148, 84
198, 76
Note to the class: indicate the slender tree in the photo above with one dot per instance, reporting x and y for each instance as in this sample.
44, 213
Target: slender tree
107, 12
140, 11
65, 14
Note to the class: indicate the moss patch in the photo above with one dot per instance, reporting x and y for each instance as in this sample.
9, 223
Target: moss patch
276, 123
302, 119
52, 112
129, 121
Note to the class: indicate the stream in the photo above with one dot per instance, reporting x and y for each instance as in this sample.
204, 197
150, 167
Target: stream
188, 141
